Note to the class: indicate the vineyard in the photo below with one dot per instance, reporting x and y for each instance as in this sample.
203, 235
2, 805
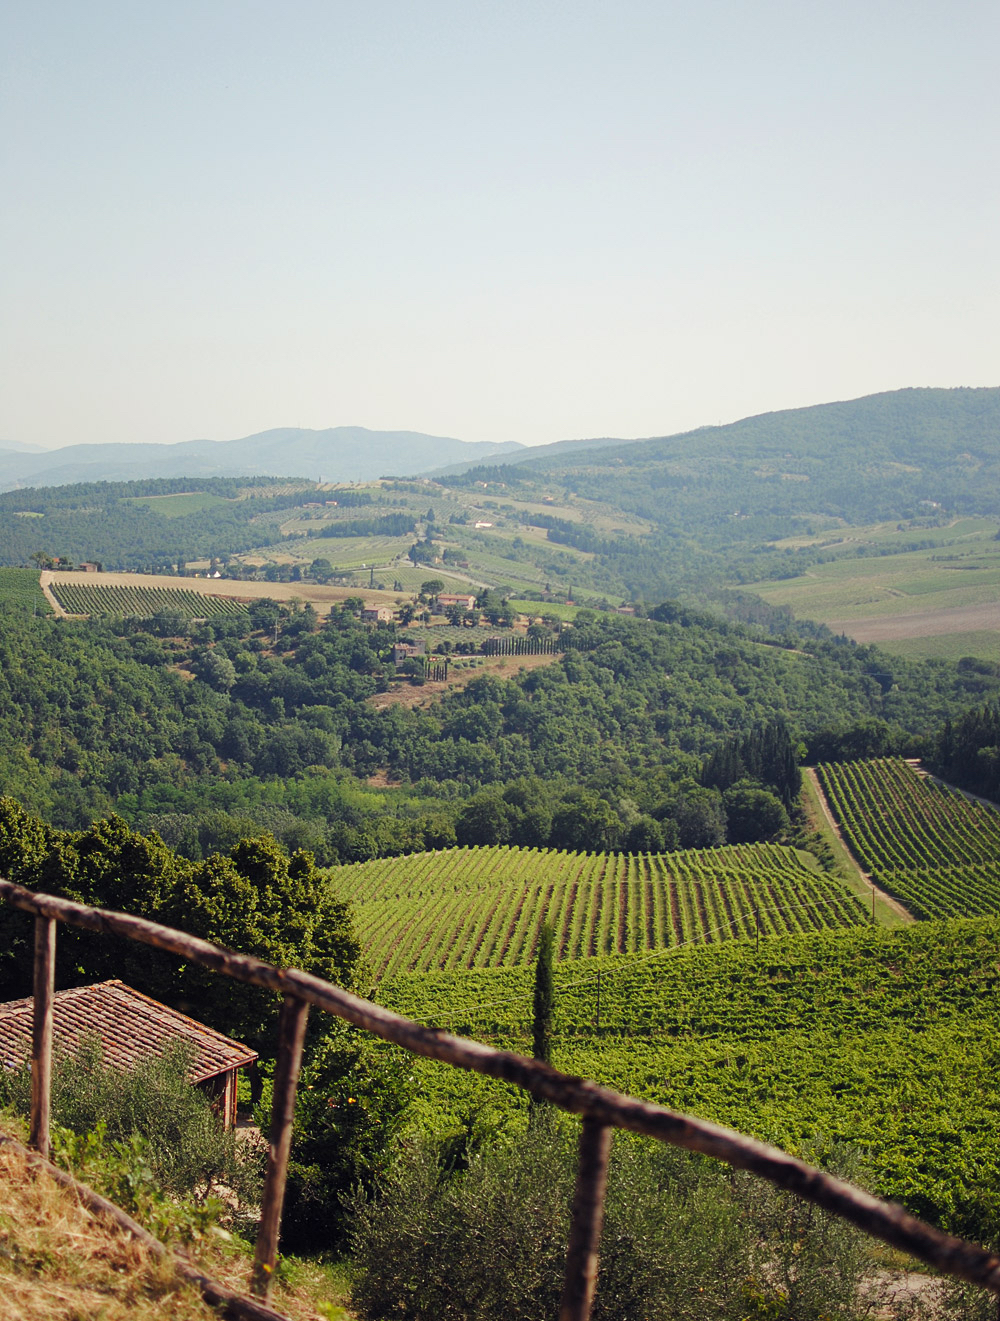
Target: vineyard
483, 907
880, 1038
84, 599
21, 588
935, 850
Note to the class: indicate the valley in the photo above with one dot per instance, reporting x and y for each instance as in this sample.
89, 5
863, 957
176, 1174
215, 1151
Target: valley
393, 731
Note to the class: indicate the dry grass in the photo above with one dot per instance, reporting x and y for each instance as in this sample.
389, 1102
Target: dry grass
500, 667
60, 1262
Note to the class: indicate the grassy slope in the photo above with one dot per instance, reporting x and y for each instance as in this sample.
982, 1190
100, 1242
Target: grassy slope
848, 869
59, 1262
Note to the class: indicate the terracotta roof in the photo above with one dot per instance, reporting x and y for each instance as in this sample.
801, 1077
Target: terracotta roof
130, 1025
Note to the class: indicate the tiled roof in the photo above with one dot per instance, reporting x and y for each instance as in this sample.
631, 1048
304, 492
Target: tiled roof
129, 1024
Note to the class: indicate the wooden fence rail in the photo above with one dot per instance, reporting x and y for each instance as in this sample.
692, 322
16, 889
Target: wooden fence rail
601, 1108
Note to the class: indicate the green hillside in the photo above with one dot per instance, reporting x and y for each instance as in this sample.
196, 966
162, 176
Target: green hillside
757, 501
861, 460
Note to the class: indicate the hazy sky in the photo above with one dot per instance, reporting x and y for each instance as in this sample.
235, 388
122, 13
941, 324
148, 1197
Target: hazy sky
497, 221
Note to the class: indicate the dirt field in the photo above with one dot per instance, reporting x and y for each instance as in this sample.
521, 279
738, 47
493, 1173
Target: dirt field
321, 597
501, 667
922, 623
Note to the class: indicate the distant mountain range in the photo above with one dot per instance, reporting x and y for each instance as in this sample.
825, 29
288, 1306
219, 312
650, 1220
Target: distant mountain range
859, 458
340, 454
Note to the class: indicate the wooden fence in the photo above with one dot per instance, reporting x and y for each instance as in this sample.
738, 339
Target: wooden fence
602, 1109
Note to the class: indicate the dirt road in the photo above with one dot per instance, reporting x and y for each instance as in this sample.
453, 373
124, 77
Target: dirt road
890, 902
44, 581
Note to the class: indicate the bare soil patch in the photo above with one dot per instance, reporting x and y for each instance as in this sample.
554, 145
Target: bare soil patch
922, 623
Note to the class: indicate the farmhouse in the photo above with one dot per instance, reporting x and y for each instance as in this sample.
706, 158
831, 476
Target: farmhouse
130, 1027
88, 567
445, 599
406, 650
381, 614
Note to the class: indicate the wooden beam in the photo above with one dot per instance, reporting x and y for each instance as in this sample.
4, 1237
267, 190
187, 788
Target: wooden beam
291, 1035
41, 1033
585, 1224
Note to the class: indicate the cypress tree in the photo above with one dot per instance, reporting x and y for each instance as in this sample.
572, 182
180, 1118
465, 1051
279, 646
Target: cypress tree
544, 1000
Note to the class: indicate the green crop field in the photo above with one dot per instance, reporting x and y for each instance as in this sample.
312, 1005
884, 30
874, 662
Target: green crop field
882, 1039
20, 588
176, 506
888, 585
901, 586
346, 552
537, 608
933, 848
411, 579
81, 599
947, 646
483, 907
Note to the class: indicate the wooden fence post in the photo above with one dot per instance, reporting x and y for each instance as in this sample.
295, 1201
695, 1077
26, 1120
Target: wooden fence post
41, 1033
292, 1030
585, 1225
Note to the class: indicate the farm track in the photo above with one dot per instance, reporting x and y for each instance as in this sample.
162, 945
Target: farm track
44, 581
886, 898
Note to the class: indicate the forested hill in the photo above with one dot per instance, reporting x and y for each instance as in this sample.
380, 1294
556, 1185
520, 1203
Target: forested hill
266, 707
861, 460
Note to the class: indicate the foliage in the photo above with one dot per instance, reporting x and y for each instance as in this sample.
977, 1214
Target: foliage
683, 1239
766, 755
103, 714
484, 907
352, 1101
255, 900
385, 525
114, 523
543, 1001
968, 749
162, 1137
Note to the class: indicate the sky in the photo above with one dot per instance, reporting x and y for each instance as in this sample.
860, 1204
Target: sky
495, 221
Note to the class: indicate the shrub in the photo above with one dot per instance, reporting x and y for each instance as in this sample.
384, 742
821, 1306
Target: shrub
353, 1096
684, 1239
154, 1108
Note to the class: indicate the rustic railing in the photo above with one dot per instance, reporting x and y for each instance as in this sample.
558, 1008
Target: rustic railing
602, 1109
